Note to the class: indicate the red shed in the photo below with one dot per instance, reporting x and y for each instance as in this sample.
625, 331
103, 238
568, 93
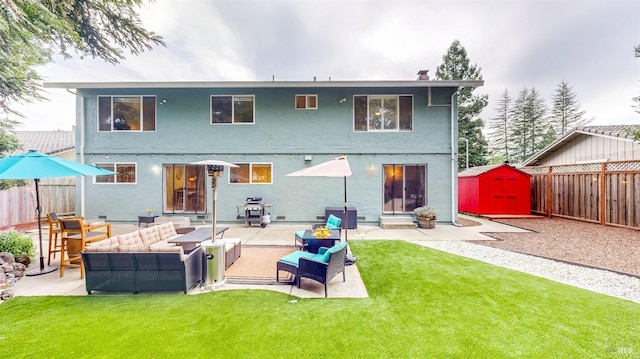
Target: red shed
495, 189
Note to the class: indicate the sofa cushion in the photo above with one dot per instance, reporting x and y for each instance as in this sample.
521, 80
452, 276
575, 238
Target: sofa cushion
149, 235
130, 239
108, 245
167, 247
133, 248
166, 230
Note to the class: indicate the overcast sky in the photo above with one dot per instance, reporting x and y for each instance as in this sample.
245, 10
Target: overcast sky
517, 44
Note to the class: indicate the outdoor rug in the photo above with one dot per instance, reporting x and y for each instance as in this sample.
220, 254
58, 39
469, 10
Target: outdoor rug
257, 265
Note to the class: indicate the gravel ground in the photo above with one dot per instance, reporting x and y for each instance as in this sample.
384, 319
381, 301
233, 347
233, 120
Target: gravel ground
589, 244
600, 252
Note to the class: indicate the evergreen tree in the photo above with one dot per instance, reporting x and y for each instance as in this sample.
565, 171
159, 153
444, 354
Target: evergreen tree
456, 66
499, 127
31, 31
530, 131
566, 113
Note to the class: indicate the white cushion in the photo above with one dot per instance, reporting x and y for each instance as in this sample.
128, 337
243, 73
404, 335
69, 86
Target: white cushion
108, 245
166, 230
130, 239
149, 235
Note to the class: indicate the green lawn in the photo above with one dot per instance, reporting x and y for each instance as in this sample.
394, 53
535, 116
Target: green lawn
423, 304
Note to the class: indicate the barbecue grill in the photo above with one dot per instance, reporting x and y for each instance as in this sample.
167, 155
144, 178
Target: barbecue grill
254, 211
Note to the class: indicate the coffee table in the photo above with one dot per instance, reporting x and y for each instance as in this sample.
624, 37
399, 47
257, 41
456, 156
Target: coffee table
193, 239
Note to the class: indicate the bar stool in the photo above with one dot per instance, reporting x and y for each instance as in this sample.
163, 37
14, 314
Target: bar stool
73, 243
54, 231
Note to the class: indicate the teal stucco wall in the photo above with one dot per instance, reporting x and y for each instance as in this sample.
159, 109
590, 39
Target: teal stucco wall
282, 136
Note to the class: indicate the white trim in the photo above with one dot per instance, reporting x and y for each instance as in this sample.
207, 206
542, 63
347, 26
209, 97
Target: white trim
261, 84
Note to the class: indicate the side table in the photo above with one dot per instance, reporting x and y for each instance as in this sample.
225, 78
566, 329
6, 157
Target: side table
146, 219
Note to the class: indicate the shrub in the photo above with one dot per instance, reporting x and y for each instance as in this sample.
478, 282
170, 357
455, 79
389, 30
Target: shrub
426, 212
17, 243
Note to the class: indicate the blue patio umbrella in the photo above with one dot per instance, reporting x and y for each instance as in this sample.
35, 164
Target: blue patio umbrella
35, 165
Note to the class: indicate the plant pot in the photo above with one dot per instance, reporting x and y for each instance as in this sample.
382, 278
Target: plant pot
428, 223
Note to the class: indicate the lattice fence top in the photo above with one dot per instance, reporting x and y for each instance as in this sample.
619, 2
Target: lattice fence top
617, 166
623, 166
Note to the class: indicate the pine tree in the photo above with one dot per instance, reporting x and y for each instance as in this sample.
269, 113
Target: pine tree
456, 66
566, 113
499, 127
530, 130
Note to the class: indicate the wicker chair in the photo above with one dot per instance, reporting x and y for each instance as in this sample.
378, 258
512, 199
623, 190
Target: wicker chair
321, 267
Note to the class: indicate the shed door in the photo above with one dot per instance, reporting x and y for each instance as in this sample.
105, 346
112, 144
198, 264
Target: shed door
503, 195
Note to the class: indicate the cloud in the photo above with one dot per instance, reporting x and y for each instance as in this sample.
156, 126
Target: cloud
525, 43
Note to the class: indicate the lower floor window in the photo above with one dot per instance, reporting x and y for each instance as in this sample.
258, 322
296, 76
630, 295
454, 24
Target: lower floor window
405, 187
184, 188
251, 173
126, 173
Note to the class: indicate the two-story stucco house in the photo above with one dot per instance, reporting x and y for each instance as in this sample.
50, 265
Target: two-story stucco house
400, 138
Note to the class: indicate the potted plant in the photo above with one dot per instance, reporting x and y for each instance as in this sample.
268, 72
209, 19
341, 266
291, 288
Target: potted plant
150, 212
426, 216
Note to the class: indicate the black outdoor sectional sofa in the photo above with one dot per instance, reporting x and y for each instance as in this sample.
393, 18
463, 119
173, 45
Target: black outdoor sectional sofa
142, 261
142, 271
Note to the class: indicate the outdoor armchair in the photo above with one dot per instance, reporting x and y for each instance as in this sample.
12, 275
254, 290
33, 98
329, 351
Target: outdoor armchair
333, 222
324, 270
321, 267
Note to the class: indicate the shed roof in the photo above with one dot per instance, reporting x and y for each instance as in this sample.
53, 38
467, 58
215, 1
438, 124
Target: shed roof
48, 142
620, 132
478, 170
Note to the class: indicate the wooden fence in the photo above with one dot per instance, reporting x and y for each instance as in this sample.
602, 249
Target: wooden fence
607, 192
18, 205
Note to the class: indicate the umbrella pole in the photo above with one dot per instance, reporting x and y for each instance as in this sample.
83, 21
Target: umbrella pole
42, 269
346, 214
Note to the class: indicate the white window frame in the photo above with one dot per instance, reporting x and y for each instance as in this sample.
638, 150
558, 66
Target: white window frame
115, 169
251, 164
111, 116
307, 101
233, 115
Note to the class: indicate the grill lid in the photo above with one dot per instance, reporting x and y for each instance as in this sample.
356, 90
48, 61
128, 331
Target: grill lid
253, 200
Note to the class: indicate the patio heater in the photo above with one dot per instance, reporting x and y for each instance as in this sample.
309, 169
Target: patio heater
214, 248
215, 172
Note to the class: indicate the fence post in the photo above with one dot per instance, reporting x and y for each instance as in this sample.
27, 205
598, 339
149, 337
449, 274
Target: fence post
603, 196
549, 193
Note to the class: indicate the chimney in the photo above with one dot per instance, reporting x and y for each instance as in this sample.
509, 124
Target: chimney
423, 75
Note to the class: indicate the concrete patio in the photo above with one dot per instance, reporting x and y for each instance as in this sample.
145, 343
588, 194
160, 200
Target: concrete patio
274, 234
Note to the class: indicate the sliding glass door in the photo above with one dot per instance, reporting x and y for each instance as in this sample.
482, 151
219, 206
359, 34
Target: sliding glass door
184, 189
405, 188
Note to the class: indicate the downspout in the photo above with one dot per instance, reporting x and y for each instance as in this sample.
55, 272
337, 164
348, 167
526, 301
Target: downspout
80, 129
454, 158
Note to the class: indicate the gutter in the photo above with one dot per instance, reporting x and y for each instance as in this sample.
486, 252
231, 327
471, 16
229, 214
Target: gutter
80, 129
454, 158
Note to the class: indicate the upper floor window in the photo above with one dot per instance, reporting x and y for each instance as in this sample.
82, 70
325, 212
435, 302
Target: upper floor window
232, 109
251, 173
309, 102
383, 113
126, 113
126, 173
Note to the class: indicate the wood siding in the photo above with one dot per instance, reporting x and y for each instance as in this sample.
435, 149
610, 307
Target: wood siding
19, 204
606, 192
593, 148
